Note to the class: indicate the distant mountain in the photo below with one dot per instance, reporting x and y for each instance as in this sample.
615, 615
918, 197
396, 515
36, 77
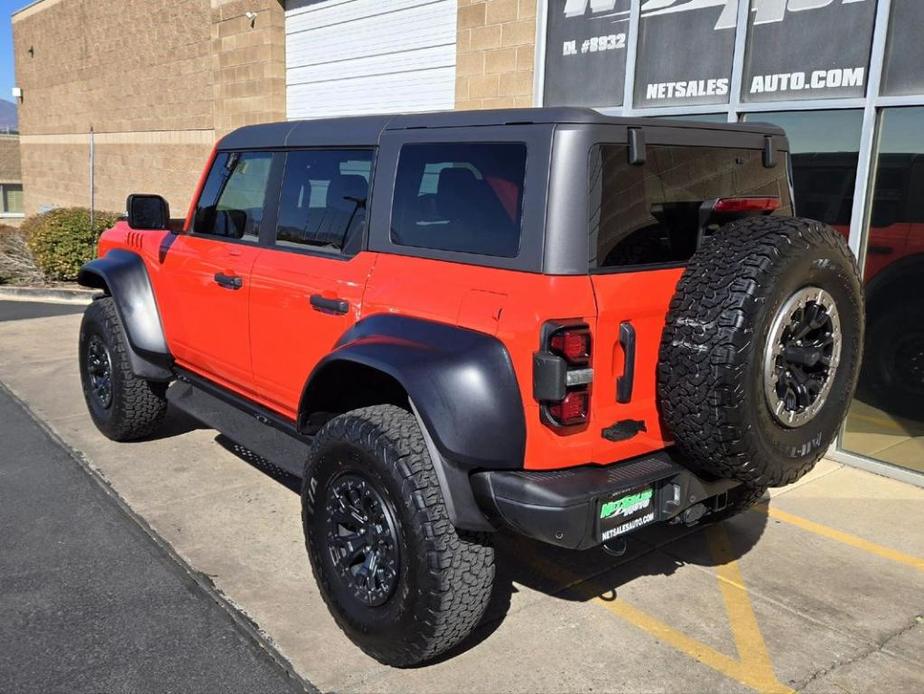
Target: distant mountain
9, 120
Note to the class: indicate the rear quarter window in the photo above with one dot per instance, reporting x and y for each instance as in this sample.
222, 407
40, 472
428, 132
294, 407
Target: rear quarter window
464, 197
648, 215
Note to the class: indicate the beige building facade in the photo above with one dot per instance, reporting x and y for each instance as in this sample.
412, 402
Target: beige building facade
148, 85
138, 91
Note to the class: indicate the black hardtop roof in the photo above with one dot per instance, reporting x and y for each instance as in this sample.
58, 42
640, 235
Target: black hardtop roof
366, 130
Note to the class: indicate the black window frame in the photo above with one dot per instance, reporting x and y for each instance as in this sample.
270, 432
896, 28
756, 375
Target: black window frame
269, 205
270, 218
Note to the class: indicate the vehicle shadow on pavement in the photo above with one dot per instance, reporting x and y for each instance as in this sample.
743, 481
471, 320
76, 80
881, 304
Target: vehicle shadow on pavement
176, 423
590, 574
567, 574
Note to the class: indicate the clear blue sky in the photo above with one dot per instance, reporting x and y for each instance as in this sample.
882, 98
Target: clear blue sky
7, 79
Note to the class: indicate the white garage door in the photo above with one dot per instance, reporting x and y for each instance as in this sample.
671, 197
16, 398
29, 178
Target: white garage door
349, 57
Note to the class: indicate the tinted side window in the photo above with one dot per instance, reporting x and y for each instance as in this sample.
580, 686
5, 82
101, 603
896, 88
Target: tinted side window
231, 204
322, 204
649, 214
465, 197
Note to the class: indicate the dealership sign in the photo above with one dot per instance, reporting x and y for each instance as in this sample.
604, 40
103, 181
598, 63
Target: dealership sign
685, 50
585, 57
816, 49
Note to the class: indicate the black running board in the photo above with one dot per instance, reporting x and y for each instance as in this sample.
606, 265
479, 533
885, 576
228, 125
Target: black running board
247, 424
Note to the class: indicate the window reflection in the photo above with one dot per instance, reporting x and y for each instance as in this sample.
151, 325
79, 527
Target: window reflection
824, 146
886, 420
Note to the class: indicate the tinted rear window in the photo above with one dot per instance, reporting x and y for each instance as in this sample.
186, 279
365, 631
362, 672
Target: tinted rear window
465, 197
648, 215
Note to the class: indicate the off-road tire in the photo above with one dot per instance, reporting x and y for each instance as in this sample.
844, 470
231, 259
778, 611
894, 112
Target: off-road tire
444, 577
137, 406
711, 365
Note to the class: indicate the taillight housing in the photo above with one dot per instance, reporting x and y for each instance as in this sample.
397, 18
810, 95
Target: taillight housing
562, 375
573, 344
572, 410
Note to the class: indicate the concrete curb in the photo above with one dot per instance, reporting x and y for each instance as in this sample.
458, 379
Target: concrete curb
51, 295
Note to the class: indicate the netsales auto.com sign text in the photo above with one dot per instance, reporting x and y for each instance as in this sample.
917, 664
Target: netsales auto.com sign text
762, 12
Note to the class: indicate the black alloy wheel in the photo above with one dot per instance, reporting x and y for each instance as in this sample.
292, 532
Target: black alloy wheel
362, 538
909, 360
802, 355
99, 370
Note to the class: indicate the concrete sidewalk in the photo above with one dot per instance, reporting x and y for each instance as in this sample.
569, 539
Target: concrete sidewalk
822, 590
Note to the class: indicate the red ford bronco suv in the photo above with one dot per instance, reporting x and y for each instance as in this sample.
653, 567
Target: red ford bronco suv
546, 320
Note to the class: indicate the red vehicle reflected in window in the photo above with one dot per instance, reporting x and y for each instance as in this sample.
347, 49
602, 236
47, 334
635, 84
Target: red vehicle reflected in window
893, 373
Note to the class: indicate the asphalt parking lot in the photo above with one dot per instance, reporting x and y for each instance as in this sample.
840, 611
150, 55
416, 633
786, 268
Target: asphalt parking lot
821, 589
90, 602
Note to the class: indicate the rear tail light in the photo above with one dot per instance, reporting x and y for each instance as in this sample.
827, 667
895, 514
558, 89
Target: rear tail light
572, 410
745, 205
562, 374
573, 344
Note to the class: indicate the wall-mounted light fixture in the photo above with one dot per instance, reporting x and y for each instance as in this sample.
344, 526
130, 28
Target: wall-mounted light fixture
252, 16
17, 94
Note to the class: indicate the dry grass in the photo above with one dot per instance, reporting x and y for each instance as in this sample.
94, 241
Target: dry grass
17, 265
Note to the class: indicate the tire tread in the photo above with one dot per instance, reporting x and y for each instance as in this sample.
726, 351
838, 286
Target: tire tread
460, 564
139, 406
708, 339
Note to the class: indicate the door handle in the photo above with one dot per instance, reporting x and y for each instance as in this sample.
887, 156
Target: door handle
228, 281
325, 305
625, 382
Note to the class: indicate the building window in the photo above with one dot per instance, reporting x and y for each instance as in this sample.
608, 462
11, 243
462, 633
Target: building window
824, 146
886, 420
11, 199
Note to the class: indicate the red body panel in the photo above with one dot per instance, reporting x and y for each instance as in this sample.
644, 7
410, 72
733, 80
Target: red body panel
514, 306
287, 336
263, 340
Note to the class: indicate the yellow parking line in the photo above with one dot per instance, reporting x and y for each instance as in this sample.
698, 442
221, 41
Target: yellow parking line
744, 672
846, 538
752, 668
752, 650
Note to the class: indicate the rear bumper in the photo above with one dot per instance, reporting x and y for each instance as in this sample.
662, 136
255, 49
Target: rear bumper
582, 507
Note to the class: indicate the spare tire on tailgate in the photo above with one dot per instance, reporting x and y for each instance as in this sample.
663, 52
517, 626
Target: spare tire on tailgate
760, 354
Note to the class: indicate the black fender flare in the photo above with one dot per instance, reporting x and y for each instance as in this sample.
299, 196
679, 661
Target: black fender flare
462, 388
123, 276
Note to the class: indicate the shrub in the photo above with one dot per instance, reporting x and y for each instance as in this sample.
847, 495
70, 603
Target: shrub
17, 266
62, 240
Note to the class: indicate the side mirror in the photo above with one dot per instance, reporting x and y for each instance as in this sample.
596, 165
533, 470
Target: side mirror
147, 212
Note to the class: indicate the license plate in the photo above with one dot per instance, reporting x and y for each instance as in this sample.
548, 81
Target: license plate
625, 512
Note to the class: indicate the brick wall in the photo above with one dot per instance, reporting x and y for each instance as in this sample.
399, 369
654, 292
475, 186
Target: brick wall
495, 52
158, 81
248, 63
